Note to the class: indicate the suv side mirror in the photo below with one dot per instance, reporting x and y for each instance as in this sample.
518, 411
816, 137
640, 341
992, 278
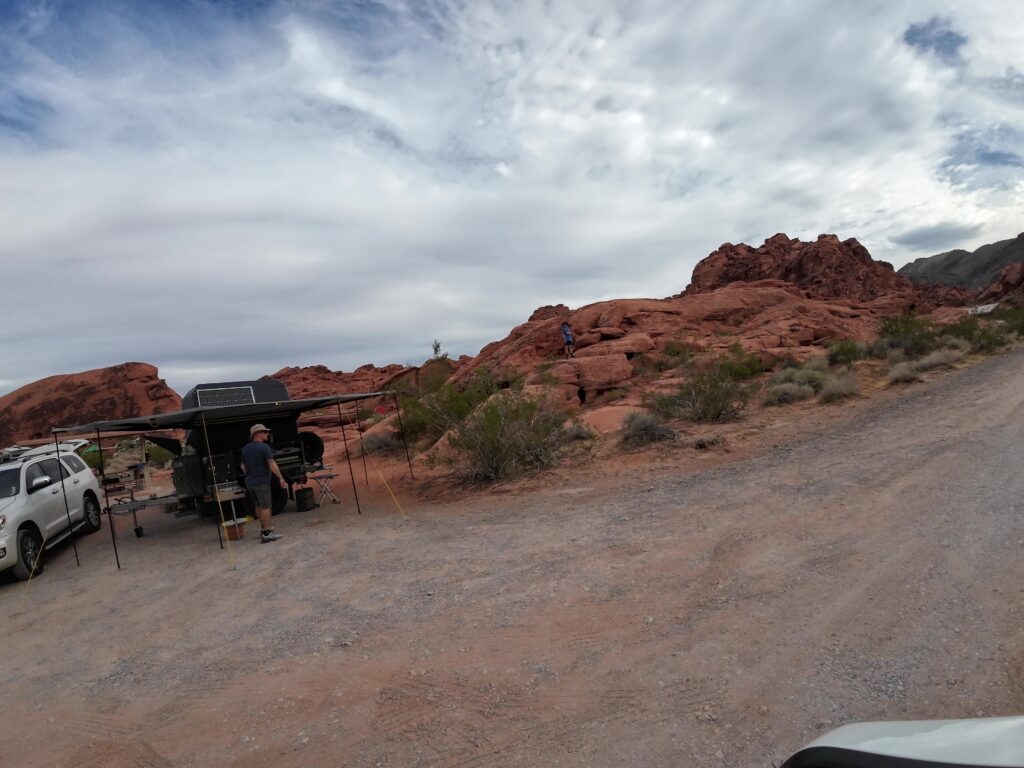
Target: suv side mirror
39, 482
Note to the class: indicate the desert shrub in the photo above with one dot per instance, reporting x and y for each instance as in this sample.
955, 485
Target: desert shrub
902, 373
896, 356
577, 430
708, 442
914, 335
740, 365
966, 328
677, 350
781, 394
381, 443
960, 345
940, 358
508, 434
641, 428
1011, 317
712, 395
990, 339
816, 363
650, 366
804, 377
844, 353
665, 406
839, 387
877, 349
429, 416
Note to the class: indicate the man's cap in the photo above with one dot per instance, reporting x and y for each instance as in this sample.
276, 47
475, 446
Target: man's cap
257, 428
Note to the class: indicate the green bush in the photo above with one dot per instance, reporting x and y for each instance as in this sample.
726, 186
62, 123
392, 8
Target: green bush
914, 335
1011, 317
577, 430
712, 395
708, 442
665, 406
639, 428
677, 350
902, 373
805, 377
877, 349
839, 387
157, 455
990, 339
508, 434
960, 345
966, 328
782, 394
740, 365
845, 353
427, 417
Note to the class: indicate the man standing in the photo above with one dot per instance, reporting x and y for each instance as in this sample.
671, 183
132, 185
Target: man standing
258, 465
568, 341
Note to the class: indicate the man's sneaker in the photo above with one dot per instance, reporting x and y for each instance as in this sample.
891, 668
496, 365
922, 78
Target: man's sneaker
269, 536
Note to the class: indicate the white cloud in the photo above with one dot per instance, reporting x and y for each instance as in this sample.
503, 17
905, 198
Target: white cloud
224, 194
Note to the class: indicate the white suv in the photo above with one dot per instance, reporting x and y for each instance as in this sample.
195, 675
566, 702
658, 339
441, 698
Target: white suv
33, 516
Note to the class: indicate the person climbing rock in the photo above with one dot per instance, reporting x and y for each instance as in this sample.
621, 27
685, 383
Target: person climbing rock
568, 341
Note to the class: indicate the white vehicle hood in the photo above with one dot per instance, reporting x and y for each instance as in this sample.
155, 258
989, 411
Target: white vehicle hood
991, 741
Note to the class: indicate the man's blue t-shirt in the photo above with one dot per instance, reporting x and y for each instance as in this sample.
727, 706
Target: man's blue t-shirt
255, 457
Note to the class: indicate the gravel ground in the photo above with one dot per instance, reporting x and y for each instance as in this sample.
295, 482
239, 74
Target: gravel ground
677, 617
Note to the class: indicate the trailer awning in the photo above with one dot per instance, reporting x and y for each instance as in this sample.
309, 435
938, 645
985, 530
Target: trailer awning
195, 417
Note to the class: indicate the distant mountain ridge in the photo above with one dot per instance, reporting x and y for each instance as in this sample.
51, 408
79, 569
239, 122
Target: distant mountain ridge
966, 269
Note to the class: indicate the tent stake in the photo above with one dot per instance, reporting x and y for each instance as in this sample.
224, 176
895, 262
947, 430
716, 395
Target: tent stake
348, 458
106, 499
405, 442
63, 490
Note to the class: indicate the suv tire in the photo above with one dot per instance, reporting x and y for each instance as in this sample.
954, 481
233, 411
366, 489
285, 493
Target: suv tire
30, 557
92, 516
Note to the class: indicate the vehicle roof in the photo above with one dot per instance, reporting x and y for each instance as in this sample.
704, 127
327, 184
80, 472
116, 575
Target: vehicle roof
23, 460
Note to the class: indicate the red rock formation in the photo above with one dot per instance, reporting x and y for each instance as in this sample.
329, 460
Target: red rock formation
825, 269
770, 317
1008, 287
67, 399
318, 380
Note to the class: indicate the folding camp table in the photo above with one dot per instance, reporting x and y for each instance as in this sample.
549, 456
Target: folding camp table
323, 481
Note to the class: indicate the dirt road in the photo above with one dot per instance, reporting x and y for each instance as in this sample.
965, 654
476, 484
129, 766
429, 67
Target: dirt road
721, 617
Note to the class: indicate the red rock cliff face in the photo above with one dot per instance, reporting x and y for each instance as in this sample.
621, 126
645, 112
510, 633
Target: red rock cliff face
826, 269
1008, 287
104, 393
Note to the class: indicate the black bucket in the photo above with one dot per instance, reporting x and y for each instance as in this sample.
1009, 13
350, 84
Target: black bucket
304, 499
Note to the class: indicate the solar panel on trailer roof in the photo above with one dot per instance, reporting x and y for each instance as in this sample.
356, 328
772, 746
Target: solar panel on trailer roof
225, 396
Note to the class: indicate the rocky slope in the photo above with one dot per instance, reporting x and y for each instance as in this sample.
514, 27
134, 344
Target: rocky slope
974, 270
319, 380
73, 398
1008, 287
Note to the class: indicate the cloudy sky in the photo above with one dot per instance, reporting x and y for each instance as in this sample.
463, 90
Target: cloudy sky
222, 188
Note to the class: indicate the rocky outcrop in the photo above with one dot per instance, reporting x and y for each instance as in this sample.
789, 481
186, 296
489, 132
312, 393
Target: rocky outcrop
319, 380
973, 270
1008, 287
122, 390
827, 268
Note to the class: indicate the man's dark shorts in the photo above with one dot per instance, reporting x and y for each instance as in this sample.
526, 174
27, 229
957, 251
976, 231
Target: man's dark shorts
260, 495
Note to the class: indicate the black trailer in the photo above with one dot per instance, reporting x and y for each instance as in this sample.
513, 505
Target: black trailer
216, 419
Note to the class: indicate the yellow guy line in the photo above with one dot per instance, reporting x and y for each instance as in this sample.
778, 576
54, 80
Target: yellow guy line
389, 491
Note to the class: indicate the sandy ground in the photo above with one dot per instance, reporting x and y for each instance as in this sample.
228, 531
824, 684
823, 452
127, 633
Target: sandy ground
668, 611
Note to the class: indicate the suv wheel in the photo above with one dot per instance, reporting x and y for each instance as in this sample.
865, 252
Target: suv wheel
30, 554
91, 517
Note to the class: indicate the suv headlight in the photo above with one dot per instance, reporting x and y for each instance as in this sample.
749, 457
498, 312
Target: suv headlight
3, 521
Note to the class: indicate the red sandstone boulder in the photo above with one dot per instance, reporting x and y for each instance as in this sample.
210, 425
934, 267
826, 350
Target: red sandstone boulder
119, 391
628, 344
1008, 287
825, 269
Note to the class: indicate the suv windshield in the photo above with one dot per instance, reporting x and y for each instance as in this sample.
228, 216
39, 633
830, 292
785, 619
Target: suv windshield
9, 482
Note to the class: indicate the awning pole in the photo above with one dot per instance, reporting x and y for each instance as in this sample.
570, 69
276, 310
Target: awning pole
362, 447
63, 490
401, 427
348, 458
106, 499
216, 494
